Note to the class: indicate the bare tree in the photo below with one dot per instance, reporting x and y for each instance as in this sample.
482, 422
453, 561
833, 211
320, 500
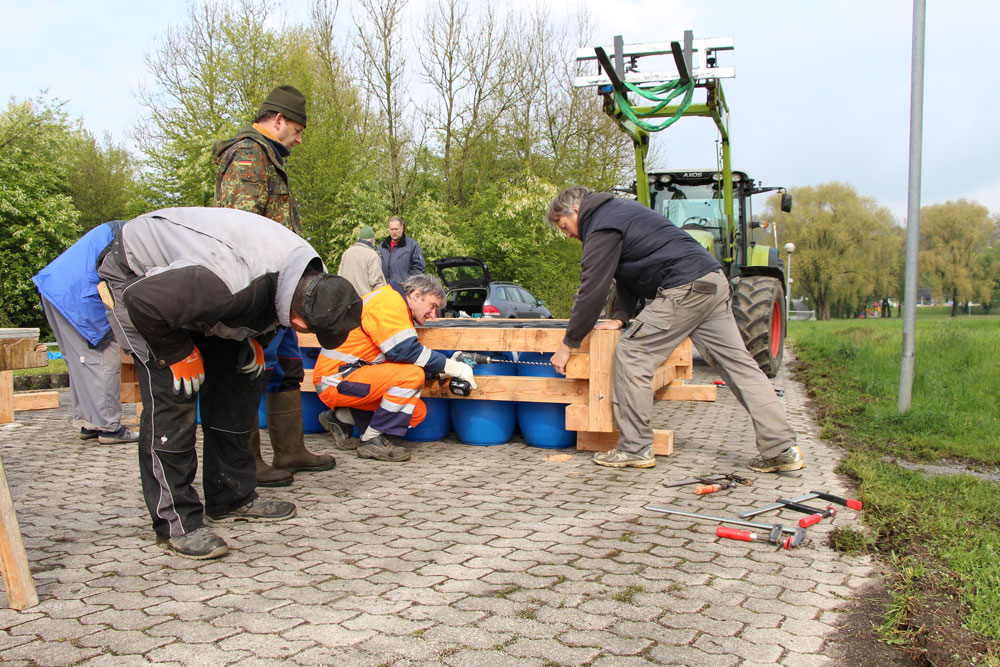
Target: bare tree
383, 74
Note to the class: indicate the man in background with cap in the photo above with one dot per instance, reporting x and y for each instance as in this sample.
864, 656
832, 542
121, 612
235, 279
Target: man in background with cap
361, 264
193, 294
252, 177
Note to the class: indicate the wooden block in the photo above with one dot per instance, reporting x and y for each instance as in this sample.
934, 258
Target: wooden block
602, 347
678, 391
578, 417
589, 441
14, 568
129, 393
664, 375
36, 400
6, 397
22, 353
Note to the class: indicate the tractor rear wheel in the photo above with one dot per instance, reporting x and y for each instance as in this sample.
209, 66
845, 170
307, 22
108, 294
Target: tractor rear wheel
759, 308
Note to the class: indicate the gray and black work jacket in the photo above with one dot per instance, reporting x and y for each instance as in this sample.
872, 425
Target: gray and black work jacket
218, 271
637, 246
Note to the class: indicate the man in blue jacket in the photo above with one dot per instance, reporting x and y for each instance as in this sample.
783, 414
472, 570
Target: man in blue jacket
401, 255
80, 324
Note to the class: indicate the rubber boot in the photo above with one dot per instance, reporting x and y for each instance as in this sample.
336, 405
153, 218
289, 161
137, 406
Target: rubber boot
266, 475
284, 424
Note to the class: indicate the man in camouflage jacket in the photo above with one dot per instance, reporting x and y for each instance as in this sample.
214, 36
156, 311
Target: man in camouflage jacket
252, 177
251, 174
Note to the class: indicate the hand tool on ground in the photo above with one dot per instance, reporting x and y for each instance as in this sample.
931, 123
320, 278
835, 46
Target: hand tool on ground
774, 537
713, 483
822, 495
815, 514
798, 533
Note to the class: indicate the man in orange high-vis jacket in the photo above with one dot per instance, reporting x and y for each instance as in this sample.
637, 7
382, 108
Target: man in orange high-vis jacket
373, 380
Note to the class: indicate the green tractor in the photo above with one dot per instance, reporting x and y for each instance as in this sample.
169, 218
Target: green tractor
714, 206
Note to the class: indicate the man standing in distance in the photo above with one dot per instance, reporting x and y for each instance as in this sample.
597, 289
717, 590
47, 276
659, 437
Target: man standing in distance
252, 177
401, 255
361, 264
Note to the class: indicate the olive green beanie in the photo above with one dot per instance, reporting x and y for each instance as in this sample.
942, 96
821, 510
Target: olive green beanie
289, 102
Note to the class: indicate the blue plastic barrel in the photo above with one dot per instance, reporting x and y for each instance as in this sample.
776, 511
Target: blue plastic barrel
542, 424
437, 423
486, 422
311, 405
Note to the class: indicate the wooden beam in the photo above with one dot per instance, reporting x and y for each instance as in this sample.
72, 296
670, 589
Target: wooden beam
602, 351
501, 388
664, 375
6, 397
663, 441
35, 400
678, 391
14, 568
516, 388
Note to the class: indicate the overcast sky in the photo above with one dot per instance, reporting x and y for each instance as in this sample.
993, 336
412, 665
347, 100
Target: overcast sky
822, 89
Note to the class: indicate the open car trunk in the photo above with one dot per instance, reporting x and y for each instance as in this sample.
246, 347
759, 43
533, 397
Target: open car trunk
466, 282
464, 302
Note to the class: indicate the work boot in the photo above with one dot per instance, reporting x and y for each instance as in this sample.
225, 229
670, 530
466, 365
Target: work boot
790, 459
200, 544
121, 436
340, 431
615, 458
266, 475
381, 449
260, 509
284, 424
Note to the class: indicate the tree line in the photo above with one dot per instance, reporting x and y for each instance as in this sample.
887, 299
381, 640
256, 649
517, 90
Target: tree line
462, 120
850, 252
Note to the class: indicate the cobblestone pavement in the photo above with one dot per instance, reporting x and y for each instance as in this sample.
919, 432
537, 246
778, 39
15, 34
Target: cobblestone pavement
506, 555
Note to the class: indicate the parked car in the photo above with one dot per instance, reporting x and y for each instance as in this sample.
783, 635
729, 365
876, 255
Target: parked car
470, 292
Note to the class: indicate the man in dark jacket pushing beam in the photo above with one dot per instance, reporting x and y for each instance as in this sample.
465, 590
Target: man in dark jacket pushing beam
686, 294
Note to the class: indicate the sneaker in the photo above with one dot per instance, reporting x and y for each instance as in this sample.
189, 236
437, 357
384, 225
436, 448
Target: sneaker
790, 459
200, 544
615, 458
121, 436
88, 433
381, 449
341, 431
260, 509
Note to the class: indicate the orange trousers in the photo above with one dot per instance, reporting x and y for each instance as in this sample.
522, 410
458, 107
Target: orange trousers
391, 392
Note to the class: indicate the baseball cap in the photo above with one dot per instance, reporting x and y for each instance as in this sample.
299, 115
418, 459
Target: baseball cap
332, 309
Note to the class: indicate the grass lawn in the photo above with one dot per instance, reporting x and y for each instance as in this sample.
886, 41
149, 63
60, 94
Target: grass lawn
55, 366
940, 533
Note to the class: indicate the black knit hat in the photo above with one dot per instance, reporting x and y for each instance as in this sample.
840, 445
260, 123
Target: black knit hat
332, 308
289, 102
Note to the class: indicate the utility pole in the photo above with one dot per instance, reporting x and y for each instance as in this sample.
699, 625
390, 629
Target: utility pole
789, 248
913, 208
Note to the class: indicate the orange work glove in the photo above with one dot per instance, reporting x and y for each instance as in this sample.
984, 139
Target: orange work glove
252, 358
189, 372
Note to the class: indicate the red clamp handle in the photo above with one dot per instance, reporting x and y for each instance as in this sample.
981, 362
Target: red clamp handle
707, 488
734, 534
810, 520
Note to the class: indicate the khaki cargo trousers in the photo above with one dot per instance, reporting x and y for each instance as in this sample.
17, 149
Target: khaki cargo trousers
701, 310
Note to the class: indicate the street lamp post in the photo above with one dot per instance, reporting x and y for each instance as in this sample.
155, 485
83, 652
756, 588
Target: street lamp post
789, 248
